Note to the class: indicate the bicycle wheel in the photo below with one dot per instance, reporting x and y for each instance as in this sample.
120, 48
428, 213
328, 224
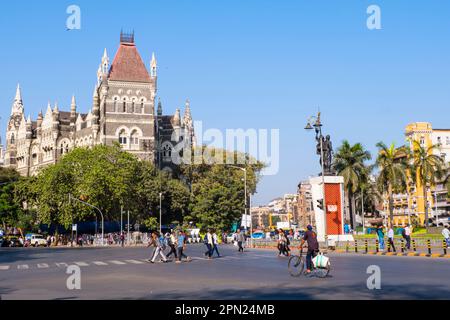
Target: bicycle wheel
296, 265
323, 272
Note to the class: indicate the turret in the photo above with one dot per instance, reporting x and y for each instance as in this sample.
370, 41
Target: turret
95, 113
55, 126
160, 111
153, 67
17, 107
39, 124
177, 119
29, 133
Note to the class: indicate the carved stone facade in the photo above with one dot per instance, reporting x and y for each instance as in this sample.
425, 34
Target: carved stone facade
123, 111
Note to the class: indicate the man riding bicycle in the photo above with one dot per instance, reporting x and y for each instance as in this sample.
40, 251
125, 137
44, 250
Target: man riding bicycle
310, 237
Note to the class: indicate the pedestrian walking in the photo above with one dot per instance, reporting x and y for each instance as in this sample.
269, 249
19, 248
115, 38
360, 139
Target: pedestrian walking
240, 238
122, 240
215, 244
181, 246
156, 243
380, 235
446, 235
408, 232
172, 242
208, 241
391, 238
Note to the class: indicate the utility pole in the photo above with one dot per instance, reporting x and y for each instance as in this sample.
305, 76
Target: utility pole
160, 212
128, 227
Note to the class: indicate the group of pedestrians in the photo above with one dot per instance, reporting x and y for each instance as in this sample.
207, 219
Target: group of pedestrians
175, 240
211, 242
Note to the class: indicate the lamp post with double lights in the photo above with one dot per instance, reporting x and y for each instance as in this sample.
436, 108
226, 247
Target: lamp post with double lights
246, 203
90, 205
315, 123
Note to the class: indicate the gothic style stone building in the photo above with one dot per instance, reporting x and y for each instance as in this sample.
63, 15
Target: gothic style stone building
123, 111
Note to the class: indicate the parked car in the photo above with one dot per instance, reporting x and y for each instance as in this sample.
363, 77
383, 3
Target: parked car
36, 240
11, 241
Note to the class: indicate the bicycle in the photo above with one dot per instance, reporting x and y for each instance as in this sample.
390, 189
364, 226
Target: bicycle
296, 266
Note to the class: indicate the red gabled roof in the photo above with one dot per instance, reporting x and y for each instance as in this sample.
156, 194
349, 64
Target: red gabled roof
128, 65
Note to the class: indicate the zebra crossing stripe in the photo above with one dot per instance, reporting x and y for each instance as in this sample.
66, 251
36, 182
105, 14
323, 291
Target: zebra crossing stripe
119, 263
62, 265
4, 268
23, 267
82, 264
42, 266
99, 263
134, 261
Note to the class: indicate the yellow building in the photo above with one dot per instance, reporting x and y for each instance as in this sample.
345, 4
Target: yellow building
411, 205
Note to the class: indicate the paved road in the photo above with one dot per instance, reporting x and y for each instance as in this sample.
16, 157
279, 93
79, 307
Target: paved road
115, 273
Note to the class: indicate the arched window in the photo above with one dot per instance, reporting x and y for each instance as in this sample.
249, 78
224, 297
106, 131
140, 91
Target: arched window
124, 109
123, 138
12, 139
167, 152
115, 105
134, 139
133, 106
142, 106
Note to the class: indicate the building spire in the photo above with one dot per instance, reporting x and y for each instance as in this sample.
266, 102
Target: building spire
17, 107
18, 97
160, 111
153, 66
187, 112
177, 119
56, 109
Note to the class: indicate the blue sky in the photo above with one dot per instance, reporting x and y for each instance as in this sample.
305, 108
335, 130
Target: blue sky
247, 64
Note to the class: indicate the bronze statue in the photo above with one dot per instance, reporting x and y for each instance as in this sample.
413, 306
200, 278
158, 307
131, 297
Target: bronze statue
327, 147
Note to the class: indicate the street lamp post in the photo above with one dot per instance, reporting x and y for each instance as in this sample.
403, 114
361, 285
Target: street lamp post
160, 212
90, 205
318, 128
246, 196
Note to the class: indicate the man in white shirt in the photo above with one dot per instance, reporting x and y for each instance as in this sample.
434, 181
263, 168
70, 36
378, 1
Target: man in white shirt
391, 238
408, 233
446, 235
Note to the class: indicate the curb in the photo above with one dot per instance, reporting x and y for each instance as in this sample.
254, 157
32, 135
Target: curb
373, 253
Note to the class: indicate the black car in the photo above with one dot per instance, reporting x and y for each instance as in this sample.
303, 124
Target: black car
11, 241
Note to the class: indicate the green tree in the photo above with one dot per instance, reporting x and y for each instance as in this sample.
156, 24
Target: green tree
393, 166
9, 208
429, 169
349, 162
217, 190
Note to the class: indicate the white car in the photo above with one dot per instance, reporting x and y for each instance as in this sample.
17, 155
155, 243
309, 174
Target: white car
37, 240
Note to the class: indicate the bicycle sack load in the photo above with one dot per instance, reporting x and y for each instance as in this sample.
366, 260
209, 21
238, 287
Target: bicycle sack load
320, 261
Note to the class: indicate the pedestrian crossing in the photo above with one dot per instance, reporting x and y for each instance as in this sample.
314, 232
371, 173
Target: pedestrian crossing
106, 263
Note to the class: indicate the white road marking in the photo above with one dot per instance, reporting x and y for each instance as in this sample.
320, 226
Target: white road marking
99, 263
42, 266
4, 267
62, 265
82, 264
119, 263
134, 261
23, 267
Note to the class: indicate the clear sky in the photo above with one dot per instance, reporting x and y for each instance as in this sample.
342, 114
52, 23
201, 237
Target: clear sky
247, 64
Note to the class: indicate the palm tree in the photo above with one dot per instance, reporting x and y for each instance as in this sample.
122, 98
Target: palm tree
349, 163
393, 165
428, 168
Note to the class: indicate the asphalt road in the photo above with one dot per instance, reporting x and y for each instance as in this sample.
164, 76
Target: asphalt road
116, 273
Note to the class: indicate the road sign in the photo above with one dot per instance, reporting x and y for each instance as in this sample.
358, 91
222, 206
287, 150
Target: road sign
74, 227
246, 221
